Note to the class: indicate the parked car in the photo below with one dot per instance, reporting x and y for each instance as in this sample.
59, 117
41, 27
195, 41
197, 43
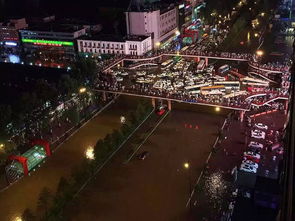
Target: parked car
257, 131
251, 163
261, 126
258, 135
255, 144
143, 155
250, 155
280, 150
248, 168
254, 149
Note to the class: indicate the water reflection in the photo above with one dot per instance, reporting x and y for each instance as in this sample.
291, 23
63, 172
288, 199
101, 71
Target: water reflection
216, 189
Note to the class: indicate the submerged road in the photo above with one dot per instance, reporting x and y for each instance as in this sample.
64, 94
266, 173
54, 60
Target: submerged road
158, 187
24, 194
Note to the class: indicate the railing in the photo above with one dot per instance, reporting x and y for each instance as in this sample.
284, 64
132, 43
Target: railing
213, 55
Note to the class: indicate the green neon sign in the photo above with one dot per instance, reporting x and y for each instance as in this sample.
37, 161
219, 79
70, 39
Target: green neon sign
47, 42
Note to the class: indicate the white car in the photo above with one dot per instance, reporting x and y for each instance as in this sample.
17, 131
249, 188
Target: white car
250, 163
140, 80
124, 74
248, 168
251, 155
258, 135
255, 144
119, 79
261, 126
257, 131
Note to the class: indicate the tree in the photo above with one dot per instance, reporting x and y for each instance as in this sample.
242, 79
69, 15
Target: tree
117, 138
84, 69
5, 118
28, 215
67, 85
62, 186
46, 92
44, 201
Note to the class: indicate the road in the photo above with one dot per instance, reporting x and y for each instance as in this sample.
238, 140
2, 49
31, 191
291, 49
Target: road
158, 187
24, 194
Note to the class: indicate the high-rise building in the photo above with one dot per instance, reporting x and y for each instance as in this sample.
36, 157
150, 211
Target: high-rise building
160, 22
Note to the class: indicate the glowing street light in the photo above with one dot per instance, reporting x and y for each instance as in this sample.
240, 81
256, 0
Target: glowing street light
89, 153
186, 165
217, 109
256, 35
259, 53
158, 44
82, 90
123, 120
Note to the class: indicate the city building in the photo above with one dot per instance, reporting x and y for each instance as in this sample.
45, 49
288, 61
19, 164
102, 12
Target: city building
159, 21
9, 35
109, 44
51, 43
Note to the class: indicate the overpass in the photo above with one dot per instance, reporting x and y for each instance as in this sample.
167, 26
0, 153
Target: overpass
201, 55
210, 55
245, 107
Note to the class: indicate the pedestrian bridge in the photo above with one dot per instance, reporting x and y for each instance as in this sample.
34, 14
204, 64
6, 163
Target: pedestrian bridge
228, 57
210, 55
242, 107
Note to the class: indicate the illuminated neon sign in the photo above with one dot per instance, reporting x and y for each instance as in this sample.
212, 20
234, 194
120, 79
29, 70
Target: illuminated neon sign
48, 42
10, 43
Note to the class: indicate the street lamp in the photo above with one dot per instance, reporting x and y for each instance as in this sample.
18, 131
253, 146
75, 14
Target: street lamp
158, 44
82, 90
89, 153
259, 53
186, 166
217, 109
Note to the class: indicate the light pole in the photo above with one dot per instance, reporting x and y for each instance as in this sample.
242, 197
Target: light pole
259, 54
82, 91
186, 166
158, 44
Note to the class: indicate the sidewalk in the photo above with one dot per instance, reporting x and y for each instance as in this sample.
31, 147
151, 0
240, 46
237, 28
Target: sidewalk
216, 186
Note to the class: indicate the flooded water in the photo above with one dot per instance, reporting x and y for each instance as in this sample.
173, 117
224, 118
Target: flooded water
24, 194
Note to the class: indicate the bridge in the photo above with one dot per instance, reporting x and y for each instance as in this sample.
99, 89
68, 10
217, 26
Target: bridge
201, 55
244, 107
210, 55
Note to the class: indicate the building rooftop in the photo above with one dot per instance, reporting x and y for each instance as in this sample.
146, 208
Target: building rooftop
114, 38
149, 5
55, 27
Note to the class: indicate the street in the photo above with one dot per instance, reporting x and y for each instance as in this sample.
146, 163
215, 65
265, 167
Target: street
156, 188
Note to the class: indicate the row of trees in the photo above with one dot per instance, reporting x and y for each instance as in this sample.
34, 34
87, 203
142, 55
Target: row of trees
51, 206
41, 96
